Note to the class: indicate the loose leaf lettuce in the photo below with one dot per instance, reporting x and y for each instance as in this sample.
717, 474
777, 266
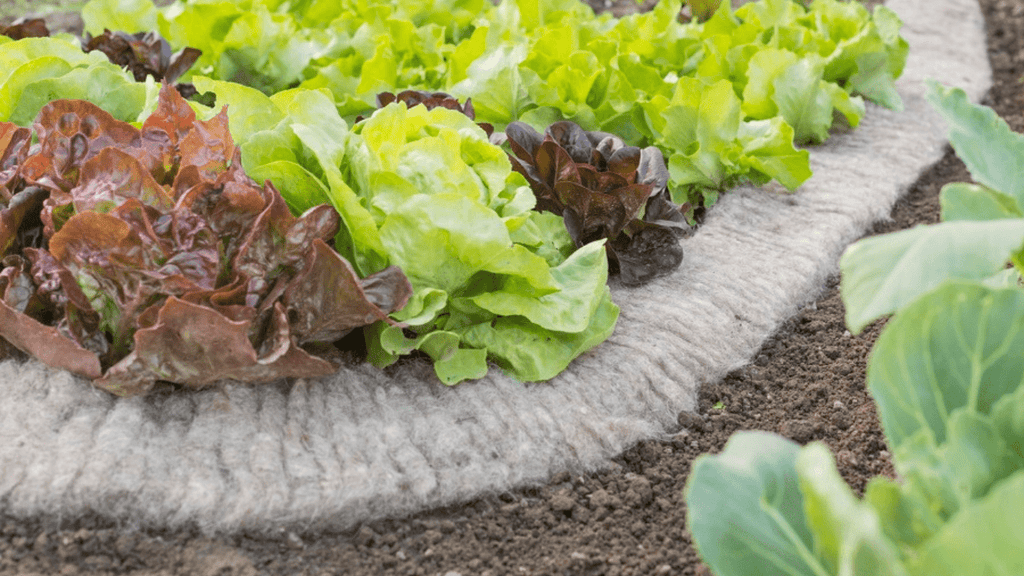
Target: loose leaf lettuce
145, 54
431, 100
604, 190
150, 255
446, 205
36, 71
781, 83
713, 148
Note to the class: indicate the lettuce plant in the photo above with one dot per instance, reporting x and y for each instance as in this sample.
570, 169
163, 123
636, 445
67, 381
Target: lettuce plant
144, 54
703, 9
946, 377
425, 190
606, 190
35, 71
134, 256
491, 276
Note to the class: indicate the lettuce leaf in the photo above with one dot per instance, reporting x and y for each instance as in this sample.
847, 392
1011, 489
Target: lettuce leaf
36, 71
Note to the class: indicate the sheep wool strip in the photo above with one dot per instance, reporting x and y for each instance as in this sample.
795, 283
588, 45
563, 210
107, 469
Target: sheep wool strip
364, 443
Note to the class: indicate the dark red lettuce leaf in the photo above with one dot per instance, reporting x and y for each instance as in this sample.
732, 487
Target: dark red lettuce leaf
604, 189
350, 302
155, 257
431, 100
69, 134
144, 54
646, 251
46, 343
20, 219
65, 300
25, 28
14, 144
208, 146
112, 177
195, 345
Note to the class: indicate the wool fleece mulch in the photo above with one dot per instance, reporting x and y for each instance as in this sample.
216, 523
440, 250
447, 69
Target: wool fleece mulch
364, 444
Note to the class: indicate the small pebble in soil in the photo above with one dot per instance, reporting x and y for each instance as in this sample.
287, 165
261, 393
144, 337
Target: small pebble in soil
690, 420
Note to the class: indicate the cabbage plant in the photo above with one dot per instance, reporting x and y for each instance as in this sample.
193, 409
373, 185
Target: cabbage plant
946, 375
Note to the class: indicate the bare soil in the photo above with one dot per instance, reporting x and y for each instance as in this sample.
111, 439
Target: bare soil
807, 383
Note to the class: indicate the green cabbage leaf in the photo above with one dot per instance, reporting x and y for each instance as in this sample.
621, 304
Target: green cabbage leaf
945, 375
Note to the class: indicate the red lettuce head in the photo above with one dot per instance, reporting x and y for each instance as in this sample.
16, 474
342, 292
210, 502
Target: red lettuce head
604, 189
134, 256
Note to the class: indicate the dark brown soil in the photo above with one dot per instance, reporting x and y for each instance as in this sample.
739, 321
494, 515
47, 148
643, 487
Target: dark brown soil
807, 383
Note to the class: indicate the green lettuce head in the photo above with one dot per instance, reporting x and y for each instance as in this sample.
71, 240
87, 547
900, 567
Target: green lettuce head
491, 277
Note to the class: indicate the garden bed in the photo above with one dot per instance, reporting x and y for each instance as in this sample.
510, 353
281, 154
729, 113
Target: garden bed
567, 509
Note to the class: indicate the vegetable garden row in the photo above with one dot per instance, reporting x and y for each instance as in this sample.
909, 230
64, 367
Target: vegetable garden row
328, 185
505, 265
677, 113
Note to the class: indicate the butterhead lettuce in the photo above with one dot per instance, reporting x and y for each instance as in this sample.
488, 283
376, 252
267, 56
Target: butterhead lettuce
447, 207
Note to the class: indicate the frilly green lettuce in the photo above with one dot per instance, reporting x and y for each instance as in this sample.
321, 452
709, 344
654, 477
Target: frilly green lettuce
447, 207
790, 67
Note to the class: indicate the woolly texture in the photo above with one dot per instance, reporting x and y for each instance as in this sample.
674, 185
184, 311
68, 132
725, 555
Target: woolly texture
364, 444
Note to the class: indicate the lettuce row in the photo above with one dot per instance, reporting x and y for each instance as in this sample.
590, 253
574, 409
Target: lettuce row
498, 258
426, 191
723, 100
946, 377
647, 78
